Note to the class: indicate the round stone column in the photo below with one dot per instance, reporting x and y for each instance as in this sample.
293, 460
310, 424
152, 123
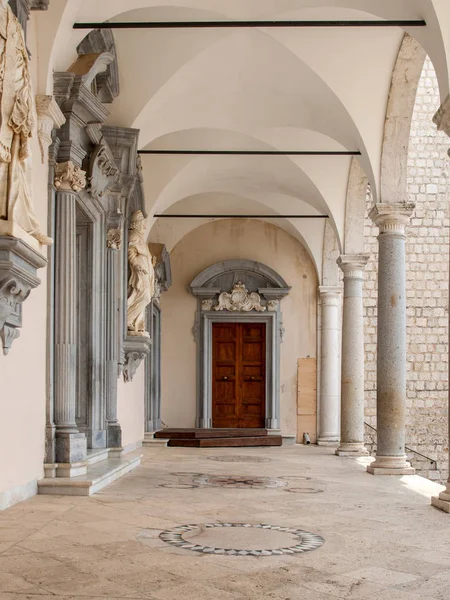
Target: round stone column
352, 371
330, 366
391, 219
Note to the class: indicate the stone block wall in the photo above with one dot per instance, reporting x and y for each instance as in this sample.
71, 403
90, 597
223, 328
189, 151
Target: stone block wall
427, 296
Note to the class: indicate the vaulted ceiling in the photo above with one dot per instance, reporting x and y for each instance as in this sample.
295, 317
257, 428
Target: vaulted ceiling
252, 89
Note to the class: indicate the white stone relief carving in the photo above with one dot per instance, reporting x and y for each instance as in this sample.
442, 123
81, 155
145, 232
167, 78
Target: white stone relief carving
273, 305
50, 116
141, 284
207, 304
70, 177
114, 238
240, 299
17, 126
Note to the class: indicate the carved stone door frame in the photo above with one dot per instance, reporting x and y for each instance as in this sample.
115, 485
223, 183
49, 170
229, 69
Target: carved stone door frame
272, 409
238, 291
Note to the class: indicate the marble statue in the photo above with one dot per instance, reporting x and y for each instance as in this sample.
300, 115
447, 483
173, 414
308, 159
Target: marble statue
17, 125
141, 284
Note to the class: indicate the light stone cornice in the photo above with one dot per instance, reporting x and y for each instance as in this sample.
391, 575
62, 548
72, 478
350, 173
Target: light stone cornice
50, 117
69, 177
392, 218
353, 265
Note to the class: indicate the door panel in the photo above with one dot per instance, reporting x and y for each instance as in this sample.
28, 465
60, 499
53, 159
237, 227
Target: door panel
238, 370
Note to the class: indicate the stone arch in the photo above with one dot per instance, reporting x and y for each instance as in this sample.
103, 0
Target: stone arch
331, 252
400, 107
355, 208
246, 267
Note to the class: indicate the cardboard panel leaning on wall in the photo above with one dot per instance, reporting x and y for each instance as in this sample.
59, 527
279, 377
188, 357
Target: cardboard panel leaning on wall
307, 399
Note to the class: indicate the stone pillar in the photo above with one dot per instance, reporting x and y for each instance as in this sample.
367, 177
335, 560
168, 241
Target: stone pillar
70, 444
352, 371
442, 120
330, 354
391, 219
114, 242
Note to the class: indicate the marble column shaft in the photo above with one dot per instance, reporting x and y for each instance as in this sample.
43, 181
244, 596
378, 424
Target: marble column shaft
391, 220
330, 352
352, 371
114, 432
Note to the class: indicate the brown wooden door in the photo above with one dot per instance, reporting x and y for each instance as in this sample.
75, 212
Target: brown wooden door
238, 374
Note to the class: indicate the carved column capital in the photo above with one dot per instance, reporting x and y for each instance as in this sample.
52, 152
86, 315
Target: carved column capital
353, 265
69, 177
392, 218
50, 117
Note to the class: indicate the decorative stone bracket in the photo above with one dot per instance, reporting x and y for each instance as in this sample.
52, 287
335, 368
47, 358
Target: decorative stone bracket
50, 117
18, 276
136, 348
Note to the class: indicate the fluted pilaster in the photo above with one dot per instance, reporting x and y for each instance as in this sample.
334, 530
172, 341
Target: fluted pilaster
70, 444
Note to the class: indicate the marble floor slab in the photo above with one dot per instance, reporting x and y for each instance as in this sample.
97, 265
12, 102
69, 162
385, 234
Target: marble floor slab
382, 539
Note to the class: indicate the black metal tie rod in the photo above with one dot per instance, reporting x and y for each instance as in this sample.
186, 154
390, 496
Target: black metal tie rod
254, 152
245, 24
175, 216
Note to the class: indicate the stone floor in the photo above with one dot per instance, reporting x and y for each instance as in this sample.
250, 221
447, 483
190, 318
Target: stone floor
382, 539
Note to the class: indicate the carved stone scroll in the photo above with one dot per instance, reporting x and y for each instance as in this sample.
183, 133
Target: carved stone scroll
69, 176
239, 299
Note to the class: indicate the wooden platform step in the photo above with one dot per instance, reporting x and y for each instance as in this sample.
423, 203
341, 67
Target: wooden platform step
227, 442
197, 434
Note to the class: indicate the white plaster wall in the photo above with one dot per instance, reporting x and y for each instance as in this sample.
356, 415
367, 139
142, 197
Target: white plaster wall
130, 408
23, 371
207, 245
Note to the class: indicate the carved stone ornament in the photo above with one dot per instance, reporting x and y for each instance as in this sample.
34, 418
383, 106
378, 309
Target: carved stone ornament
69, 177
132, 362
103, 171
114, 239
273, 304
240, 299
207, 304
50, 117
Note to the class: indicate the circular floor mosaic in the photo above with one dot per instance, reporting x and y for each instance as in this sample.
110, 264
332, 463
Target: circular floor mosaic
242, 539
240, 459
234, 481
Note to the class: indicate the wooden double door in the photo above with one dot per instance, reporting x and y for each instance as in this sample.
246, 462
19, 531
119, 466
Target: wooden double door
239, 375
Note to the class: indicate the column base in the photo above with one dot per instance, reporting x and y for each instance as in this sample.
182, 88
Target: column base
114, 435
442, 502
390, 465
328, 441
70, 448
352, 449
